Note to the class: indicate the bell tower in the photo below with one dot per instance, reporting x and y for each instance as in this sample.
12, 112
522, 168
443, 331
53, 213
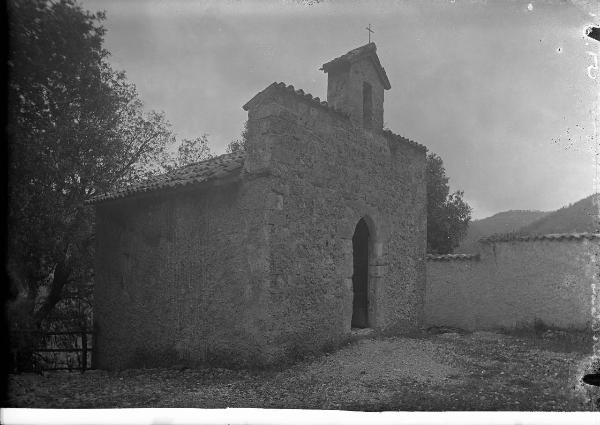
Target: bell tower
356, 83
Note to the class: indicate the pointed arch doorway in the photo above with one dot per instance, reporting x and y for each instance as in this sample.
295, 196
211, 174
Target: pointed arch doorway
360, 276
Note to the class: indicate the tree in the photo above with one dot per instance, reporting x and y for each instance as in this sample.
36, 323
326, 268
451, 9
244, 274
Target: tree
448, 215
239, 145
188, 152
76, 128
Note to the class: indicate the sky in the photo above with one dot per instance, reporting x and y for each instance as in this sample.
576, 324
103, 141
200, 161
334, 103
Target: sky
504, 91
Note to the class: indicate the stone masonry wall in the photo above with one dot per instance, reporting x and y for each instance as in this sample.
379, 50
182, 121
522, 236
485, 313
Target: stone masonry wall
514, 284
324, 175
259, 270
179, 278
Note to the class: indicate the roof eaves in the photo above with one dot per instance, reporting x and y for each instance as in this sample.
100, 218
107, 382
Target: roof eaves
212, 169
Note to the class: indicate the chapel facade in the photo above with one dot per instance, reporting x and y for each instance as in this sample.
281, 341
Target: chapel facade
255, 257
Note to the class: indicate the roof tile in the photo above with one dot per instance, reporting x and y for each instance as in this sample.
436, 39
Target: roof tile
515, 237
450, 257
390, 135
353, 55
301, 95
196, 173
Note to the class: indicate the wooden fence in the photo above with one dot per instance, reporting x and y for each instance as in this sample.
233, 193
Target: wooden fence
64, 350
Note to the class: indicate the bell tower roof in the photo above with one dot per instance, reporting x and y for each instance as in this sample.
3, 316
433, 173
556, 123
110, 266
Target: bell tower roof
369, 52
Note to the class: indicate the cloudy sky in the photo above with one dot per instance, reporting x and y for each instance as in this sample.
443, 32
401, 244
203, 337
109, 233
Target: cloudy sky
499, 89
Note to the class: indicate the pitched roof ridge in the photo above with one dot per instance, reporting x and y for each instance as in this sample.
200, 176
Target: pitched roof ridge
357, 53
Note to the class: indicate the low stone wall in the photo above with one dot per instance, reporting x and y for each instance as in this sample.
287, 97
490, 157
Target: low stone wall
514, 282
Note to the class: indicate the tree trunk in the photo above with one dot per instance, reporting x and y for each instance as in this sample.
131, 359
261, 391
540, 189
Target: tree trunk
62, 273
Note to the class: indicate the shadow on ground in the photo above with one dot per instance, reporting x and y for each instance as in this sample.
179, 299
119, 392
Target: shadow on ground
444, 369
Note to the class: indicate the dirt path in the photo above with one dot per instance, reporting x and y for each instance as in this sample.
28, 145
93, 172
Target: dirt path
479, 371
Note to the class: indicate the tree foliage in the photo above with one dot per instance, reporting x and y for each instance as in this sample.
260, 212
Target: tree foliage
239, 144
448, 215
76, 128
188, 152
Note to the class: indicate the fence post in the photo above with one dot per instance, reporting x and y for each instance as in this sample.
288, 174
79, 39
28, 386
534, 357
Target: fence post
83, 351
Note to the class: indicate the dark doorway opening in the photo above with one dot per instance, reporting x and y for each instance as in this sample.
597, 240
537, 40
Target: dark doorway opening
360, 277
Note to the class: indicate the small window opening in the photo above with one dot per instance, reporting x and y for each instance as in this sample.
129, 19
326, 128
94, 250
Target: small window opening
367, 105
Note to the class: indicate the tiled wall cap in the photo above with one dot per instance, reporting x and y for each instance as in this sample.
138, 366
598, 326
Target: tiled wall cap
301, 95
453, 257
389, 134
515, 237
317, 102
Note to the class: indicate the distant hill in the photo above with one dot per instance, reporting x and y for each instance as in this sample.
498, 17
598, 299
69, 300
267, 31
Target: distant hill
582, 216
503, 222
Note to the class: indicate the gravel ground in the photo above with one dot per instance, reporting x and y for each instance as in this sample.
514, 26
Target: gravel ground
447, 371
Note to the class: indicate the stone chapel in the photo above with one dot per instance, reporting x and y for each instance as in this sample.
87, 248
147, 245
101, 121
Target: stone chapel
254, 258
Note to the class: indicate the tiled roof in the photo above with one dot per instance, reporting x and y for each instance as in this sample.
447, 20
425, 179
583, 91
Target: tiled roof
368, 50
300, 94
513, 237
199, 172
397, 138
449, 257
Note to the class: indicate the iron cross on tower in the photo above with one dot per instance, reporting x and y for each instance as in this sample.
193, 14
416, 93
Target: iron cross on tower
370, 32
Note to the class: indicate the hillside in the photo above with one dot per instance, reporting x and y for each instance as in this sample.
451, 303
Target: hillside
582, 216
503, 222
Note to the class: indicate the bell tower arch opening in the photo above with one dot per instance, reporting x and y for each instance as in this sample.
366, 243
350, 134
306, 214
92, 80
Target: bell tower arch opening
367, 105
360, 276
